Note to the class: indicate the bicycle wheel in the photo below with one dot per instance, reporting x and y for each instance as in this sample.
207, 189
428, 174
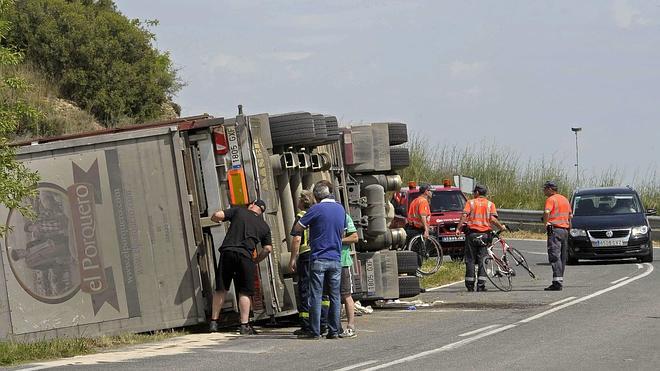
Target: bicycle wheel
429, 254
498, 272
520, 260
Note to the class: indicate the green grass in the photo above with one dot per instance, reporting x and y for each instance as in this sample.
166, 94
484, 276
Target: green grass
12, 353
449, 272
513, 183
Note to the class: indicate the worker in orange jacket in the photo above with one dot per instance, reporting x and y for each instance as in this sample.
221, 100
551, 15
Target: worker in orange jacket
478, 215
557, 216
419, 214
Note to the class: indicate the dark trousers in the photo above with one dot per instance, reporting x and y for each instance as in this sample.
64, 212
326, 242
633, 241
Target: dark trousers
302, 266
474, 253
558, 253
412, 232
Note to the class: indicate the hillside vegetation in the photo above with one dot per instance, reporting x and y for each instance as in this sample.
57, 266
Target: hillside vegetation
85, 53
513, 183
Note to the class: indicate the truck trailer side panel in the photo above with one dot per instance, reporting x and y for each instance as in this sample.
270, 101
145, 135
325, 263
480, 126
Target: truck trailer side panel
112, 247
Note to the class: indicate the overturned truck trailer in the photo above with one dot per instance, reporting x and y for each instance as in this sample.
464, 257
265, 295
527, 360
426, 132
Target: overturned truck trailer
123, 239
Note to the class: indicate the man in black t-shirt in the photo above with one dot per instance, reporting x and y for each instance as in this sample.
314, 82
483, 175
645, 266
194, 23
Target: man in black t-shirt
247, 229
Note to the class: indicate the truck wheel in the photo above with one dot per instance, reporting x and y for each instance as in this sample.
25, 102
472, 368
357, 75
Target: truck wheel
407, 262
399, 158
296, 130
398, 133
332, 127
409, 286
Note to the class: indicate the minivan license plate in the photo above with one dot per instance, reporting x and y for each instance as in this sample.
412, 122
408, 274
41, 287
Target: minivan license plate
606, 243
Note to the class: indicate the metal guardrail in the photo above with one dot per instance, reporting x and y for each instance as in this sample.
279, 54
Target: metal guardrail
532, 217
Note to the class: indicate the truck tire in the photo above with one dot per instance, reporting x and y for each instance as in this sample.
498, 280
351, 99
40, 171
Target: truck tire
398, 133
409, 286
296, 131
332, 127
407, 262
291, 116
399, 158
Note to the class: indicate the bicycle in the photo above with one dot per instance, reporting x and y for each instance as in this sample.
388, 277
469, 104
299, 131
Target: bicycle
498, 270
429, 254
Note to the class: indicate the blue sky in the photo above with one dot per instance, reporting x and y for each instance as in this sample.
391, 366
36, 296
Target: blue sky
517, 73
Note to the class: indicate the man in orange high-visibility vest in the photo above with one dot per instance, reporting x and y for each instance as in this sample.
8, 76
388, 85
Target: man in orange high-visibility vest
557, 216
419, 214
478, 215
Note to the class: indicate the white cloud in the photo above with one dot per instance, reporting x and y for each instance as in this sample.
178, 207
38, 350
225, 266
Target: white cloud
290, 56
466, 69
232, 63
626, 16
466, 94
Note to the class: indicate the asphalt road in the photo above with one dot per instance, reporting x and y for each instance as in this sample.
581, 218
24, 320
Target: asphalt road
606, 318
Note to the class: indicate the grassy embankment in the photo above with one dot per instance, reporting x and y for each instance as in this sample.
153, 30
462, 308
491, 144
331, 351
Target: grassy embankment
513, 183
13, 353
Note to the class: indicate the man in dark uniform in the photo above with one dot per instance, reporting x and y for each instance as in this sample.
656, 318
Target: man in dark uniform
246, 230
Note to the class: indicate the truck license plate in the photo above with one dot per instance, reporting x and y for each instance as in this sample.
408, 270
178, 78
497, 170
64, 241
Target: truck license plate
371, 277
453, 238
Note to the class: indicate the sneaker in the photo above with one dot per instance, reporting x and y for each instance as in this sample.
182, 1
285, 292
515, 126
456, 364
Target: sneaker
348, 333
332, 336
299, 331
247, 330
308, 336
324, 331
214, 326
470, 289
554, 287
481, 289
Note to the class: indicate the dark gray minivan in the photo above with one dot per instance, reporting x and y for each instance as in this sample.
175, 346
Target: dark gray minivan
609, 223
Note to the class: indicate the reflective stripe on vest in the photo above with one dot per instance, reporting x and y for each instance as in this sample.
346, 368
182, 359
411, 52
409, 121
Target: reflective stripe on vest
304, 242
560, 212
479, 216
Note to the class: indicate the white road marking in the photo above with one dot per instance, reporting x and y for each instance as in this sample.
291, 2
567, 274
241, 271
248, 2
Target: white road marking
443, 286
357, 365
437, 310
562, 301
459, 344
619, 280
534, 252
640, 266
479, 330
584, 298
451, 346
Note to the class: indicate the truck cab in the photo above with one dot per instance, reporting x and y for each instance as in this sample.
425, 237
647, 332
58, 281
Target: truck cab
446, 204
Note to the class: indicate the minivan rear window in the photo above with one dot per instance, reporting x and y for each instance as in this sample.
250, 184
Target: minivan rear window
586, 204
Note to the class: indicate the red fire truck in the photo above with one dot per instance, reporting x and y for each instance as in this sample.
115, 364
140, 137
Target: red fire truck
447, 204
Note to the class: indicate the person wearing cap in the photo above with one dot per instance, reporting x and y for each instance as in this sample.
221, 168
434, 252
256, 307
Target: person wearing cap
419, 214
478, 215
299, 261
237, 261
557, 216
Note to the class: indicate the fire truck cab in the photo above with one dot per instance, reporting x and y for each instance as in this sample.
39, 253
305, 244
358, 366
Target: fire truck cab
447, 204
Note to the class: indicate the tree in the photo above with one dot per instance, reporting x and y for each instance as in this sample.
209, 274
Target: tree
16, 181
100, 59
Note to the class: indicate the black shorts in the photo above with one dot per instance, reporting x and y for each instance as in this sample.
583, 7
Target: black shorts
346, 285
240, 268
